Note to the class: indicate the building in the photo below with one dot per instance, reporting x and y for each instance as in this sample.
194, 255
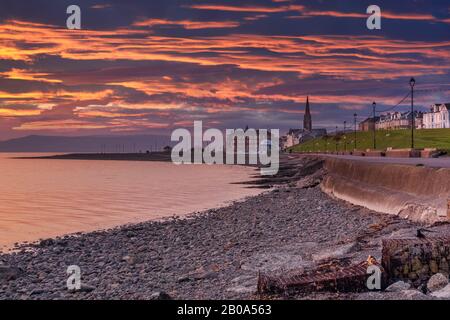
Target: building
368, 124
284, 142
296, 136
419, 120
399, 120
438, 117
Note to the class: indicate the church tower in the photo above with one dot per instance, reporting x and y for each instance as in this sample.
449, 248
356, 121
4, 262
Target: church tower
307, 121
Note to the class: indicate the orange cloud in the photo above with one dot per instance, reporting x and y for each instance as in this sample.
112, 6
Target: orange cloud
188, 24
326, 55
101, 6
6, 112
60, 125
384, 14
20, 74
261, 9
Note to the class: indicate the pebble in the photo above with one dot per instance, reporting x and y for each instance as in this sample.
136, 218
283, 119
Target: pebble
398, 286
160, 295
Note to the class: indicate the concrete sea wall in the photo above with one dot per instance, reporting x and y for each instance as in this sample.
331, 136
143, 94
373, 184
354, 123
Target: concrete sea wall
417, 193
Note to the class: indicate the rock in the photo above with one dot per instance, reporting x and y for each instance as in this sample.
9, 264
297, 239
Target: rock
37, 292
160, 295
46, 243
242, 289
206, 275
9, 273
286, 257
398, 286
244, 284
129, 259
444, 293
183, 278
201, 275
437, 282
334, 252
413, 295
84, 288
114, 286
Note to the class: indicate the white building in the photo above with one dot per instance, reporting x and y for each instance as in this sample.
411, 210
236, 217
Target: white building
296, 136
399, 120
439, 117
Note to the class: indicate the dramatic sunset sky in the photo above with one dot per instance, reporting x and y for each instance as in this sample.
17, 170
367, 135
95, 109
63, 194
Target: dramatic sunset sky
142, 66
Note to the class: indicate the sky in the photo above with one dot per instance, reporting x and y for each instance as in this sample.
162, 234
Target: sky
141, 66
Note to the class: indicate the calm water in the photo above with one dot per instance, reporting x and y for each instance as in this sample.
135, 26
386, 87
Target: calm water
46, 198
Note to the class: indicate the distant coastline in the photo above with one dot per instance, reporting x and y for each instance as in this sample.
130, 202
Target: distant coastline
153, 156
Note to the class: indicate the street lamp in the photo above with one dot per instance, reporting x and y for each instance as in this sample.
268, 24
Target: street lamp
354, 117
345, 137
374, 106
412, 82
336, 139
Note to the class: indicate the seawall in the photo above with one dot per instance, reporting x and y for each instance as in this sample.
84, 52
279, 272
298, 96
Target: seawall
417, 193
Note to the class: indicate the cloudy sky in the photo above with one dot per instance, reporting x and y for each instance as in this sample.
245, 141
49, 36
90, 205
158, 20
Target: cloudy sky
141, 66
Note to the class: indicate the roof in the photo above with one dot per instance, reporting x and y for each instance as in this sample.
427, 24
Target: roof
371, 119
447, 105
295, 131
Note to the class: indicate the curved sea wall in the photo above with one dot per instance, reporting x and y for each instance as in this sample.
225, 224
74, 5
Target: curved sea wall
417, 193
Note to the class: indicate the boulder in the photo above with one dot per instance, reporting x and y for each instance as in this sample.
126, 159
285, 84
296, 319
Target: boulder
444, 293
160, 295
437, 282
398, 286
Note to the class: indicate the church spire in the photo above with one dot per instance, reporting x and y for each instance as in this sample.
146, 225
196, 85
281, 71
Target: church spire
307, 121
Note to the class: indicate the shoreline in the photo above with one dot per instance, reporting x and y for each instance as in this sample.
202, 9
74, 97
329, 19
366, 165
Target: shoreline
31, 244
218, 187
254, 181
214, 254
154, 156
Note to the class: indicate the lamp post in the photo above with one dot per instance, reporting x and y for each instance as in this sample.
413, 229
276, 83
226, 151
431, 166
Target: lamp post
374, 106
412, 82
354, 118
335, 138
345, 137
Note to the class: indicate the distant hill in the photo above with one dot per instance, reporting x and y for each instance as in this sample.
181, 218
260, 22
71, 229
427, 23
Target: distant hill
109, 144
